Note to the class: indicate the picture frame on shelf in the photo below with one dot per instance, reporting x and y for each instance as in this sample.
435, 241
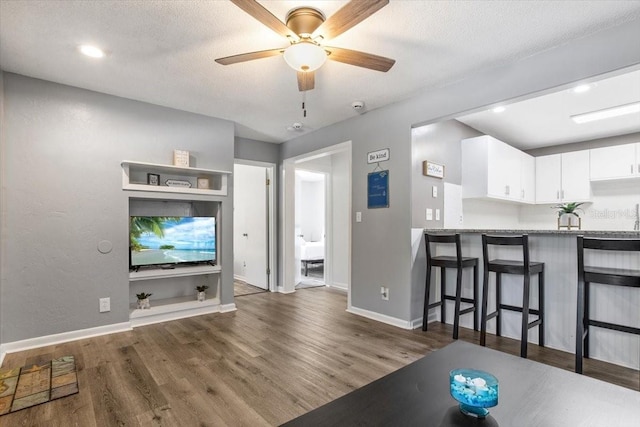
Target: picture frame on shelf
203, 183
153, 179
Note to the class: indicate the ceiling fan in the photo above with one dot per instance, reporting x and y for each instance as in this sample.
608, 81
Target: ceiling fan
306, 28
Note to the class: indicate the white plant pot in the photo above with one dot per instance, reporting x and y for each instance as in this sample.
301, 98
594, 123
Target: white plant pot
144, 304
202, 296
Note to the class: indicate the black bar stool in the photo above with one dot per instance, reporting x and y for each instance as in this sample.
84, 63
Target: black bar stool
526, 268
458, 262
605, 276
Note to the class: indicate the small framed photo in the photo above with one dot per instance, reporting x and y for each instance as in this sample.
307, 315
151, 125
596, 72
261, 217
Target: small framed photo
203, 183
153, 179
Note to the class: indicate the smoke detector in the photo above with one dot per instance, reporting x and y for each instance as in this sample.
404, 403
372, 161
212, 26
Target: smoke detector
294, 127
358, 105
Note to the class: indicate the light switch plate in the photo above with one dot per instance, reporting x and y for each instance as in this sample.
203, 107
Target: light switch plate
358, 216
429, 214
434, 191
437, 214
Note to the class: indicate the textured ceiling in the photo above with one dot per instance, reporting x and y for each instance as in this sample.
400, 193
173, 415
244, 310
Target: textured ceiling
163, 52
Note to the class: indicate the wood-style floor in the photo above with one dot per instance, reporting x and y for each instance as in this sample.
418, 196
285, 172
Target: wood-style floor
274, 359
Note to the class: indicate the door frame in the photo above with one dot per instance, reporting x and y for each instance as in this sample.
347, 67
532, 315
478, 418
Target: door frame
271, 219
287, 223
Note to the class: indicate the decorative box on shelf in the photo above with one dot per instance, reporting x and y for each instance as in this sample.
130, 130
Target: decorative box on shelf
140, 176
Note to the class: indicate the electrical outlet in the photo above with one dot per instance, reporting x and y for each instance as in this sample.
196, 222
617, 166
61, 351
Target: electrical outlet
384, 293
105, 305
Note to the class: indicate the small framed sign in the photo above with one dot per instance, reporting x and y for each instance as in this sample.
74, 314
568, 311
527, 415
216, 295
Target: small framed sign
181, 158
153, 179
432, 169
378, 189
203, 183
378, 156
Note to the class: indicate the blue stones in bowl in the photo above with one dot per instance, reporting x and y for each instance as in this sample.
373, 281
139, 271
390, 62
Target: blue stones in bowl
475, 391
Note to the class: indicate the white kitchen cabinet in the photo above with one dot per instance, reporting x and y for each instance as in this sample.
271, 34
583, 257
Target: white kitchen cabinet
617, 162
563, 178
493, 169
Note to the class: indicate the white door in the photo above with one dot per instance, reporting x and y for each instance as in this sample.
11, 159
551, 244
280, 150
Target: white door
250, 224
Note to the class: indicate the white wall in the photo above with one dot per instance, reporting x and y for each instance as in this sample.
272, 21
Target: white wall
312, 210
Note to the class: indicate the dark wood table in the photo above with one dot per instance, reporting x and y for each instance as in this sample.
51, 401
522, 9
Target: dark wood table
530, 394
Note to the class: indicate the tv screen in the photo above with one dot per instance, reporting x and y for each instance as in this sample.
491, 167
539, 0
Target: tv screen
157, 240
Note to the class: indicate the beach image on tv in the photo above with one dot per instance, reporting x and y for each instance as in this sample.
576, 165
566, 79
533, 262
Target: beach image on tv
172, 240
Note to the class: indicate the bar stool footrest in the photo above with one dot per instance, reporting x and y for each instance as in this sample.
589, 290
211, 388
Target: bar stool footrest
614, 327
519, 309
467, 310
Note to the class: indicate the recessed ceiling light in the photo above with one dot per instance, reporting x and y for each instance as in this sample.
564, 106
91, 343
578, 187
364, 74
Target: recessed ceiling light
581, 89
607, 113
499, 109
92, 51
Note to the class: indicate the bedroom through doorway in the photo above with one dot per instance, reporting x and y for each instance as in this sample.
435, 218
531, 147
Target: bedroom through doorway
310, 229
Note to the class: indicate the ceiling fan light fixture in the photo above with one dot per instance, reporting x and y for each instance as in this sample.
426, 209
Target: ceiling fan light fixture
305, 56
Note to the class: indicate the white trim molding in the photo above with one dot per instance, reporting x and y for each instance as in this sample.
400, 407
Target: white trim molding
340, 286
12, 347
393, 321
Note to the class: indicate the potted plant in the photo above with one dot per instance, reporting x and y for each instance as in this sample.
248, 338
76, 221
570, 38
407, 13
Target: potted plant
568, 216
143, 300
202, 292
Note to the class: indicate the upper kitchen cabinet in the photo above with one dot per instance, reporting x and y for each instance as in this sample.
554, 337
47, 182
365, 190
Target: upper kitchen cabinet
495, 170
563, 178
617, 162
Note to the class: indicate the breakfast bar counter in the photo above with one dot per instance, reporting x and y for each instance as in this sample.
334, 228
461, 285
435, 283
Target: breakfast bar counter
557, 249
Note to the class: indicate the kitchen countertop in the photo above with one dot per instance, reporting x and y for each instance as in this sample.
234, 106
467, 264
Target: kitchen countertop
603, 233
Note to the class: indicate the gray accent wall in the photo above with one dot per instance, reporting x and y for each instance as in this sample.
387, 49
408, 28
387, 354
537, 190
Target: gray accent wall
258, 151
381, 243
63, 148
438, 143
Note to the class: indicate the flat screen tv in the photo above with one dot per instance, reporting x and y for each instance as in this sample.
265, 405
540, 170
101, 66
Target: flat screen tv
171, 240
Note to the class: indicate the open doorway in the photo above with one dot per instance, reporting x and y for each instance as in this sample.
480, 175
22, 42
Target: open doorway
334, 164
310, 223
253, 252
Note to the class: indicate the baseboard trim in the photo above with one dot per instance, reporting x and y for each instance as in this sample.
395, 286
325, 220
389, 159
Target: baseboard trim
240, 278
341, 286
393, 321
12, 347
227, 308
282, 291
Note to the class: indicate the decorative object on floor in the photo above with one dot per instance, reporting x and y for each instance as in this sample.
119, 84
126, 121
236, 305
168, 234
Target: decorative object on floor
143, 300
181, 158
568, 216
475, 390
22, 388
202, 295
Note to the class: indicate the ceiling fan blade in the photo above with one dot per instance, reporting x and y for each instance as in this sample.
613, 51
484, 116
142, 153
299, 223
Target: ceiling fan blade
306, 80
348, 16
255, 9
360, 59
250, 56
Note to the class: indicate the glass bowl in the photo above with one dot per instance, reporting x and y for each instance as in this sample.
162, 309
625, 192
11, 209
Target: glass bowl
474, 390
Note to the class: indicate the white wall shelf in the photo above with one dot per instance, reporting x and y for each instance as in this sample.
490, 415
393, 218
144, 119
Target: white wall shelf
173, 308
134, 177
162, 273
